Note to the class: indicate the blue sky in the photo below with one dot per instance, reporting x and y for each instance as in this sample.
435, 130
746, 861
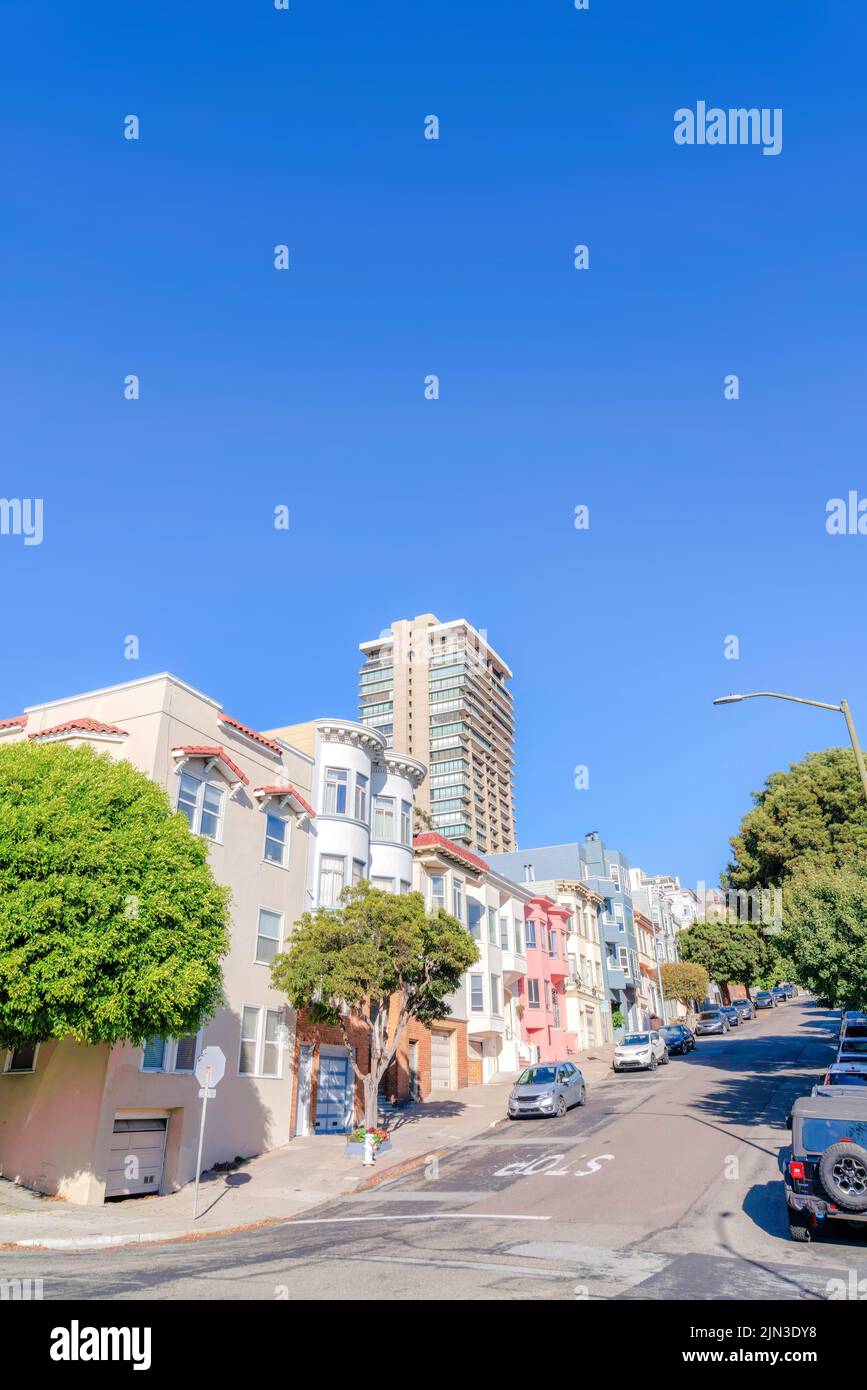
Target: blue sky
558, 387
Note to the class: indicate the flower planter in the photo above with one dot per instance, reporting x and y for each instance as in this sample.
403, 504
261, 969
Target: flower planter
354, 1150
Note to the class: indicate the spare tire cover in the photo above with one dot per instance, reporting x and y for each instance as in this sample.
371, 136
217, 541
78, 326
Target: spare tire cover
843, 1170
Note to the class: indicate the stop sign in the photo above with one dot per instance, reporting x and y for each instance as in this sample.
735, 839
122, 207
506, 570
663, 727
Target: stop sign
215, 1059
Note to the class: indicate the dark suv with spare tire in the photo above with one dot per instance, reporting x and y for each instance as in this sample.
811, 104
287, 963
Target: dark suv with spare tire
826, 1173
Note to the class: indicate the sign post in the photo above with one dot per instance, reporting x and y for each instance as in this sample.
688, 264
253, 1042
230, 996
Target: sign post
210, 1069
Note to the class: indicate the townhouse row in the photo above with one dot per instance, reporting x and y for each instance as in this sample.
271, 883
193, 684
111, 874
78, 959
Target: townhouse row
292, 816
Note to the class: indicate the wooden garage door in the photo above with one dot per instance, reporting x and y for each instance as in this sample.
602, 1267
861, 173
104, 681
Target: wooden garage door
440, 1061
135, 1160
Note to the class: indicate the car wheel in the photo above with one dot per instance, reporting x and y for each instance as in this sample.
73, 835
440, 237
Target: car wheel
664, 1059
582, 1099
843, 1172
653, 1064
560, 1108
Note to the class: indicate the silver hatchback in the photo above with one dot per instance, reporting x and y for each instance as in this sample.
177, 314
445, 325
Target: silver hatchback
547, 1088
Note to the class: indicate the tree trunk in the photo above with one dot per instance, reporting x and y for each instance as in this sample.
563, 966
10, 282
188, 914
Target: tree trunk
371, 1100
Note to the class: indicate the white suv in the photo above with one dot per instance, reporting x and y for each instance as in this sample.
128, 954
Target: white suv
640, 1052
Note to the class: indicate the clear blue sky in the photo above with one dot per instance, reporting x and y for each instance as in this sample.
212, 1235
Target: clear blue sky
558, 387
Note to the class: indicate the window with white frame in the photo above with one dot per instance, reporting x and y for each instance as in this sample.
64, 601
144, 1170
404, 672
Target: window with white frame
623, 955
519, 937
531, 934
437, 891
405, 887
614, 872
477, 994
336, 791
332, 874
504, 933
276, 840
458, 899
533, 993
474, 919
383, 818
385, 884
171, 1054
358, 870
269, 935
261, 1052
495, 994
202, 803
492, 926
405, 823
21, 1059
361, 783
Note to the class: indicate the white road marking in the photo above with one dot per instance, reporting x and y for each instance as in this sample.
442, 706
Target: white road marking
523, 1271
414, 1216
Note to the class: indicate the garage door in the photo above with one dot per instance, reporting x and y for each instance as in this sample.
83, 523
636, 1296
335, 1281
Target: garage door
135, 1160
441, 1061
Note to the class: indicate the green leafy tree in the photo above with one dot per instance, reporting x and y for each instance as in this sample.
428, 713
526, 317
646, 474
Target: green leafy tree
111, 925
730, 952
814, 814
684, 981
345, 965
825, 933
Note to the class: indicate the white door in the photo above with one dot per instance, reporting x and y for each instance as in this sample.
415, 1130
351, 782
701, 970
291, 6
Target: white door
136, 1154
441, 1061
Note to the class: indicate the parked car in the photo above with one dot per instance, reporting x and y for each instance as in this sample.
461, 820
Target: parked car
547, 1088
677, 1038
731, 1014
851, 1019
764, 1000
779, 994
852, 1050
746, 1008
826, 1172
711, 1021
789, 990
846, 1074
640, 1052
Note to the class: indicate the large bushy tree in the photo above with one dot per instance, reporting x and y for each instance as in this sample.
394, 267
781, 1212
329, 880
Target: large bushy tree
730, 952
825, 933
112, 927
813, 815
345, 965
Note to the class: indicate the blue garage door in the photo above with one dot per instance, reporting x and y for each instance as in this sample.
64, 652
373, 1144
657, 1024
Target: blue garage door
333, 1096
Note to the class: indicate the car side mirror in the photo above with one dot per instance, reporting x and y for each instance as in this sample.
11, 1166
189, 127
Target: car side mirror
788, 1121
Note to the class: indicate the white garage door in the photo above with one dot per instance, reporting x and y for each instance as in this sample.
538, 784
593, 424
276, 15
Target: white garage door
440, 1061
137, 1150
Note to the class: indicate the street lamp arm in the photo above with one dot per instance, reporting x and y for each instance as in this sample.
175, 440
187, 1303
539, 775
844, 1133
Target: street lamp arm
775, 695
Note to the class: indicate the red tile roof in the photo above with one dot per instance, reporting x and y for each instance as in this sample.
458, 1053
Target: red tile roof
430, 839
80, 726
250, 733
17, 721
288, 790
202, 750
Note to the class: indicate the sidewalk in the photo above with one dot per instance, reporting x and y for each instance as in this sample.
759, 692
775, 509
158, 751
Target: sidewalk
274, 1187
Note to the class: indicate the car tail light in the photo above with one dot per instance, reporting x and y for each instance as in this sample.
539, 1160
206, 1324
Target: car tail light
796, 1172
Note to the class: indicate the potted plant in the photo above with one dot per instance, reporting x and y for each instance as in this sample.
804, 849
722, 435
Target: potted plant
367, 1143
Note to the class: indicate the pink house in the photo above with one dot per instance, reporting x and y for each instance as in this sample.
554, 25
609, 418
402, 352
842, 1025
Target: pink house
541, 991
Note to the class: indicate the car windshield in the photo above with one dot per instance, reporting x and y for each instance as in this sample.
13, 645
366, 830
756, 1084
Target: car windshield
847, 1078
818, 1134
857, 1046
672, 1031
636, 1040
709, 1015
537, 1076
763, 994
855, 1030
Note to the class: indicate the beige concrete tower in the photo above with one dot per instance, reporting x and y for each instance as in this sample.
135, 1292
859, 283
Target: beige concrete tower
438, 691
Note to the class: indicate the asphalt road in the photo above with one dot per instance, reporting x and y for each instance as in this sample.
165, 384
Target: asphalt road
665, 1185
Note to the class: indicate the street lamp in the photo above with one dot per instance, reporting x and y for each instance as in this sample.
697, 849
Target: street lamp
842, 708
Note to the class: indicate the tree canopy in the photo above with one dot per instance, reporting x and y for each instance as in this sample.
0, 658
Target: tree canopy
347, 963
825, 933
730, 952
813, 815
684, 981
112, 927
